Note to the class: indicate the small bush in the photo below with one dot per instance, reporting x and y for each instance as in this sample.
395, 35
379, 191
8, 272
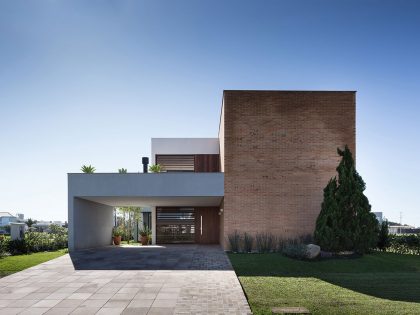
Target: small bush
248, 242
4, 243
17, 247
266, 242
295, 249
234, 241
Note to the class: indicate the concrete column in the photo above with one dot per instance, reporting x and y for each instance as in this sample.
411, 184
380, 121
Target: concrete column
153, 225
91, 226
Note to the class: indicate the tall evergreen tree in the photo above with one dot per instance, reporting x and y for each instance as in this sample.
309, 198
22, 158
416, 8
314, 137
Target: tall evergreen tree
345, 222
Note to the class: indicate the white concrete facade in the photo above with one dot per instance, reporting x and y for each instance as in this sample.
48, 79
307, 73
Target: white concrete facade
184, 146
92, 198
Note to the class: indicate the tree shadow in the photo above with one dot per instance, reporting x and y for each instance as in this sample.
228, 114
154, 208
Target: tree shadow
387, 276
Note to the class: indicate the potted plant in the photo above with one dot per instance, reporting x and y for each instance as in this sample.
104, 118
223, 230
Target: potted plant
145, 235
117, 232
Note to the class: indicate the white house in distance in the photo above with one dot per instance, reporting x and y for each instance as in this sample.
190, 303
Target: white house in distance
6, 218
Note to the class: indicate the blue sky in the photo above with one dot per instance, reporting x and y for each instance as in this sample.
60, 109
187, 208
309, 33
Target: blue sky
89, 82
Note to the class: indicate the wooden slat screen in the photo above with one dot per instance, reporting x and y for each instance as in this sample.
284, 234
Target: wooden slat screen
180, 163
207, 163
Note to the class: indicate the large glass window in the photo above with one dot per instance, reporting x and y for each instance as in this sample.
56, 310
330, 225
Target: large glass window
175, 225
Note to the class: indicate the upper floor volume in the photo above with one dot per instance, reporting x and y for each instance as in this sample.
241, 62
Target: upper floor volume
200, 155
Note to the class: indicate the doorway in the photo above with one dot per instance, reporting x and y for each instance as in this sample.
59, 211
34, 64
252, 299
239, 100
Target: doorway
207, 225
187, 225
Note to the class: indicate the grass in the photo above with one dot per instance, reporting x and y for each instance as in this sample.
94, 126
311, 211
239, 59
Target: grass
379, 283
12, 264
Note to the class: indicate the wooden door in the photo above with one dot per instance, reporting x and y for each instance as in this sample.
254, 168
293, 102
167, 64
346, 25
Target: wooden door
207, 225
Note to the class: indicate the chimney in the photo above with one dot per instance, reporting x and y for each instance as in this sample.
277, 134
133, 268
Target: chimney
145, 161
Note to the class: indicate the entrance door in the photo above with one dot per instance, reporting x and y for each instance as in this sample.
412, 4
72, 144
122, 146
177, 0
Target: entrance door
207, 225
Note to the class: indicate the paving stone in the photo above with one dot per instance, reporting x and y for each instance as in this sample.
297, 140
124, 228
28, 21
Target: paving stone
164, 303
161, 311
11, 310
175, 279
117, 303
69, 303
101, 296
85, 310
110, 311
94, 303
140, 303
79, 296
60, 311
35, 311
46, 303
135, 311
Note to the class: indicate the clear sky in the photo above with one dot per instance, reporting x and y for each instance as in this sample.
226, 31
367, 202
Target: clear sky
90, 82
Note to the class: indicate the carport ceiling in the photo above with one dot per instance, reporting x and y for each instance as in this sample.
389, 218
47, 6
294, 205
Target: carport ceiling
158, 201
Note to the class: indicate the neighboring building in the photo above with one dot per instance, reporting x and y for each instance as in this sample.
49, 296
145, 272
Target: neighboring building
6, 218
266, 172
379, 216
403, 229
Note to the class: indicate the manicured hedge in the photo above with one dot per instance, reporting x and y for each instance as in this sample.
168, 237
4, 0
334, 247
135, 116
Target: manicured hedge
35, 242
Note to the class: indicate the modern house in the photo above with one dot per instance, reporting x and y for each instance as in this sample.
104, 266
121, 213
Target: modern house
265, 172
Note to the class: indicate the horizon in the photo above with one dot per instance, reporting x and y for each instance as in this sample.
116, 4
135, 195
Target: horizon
93, 83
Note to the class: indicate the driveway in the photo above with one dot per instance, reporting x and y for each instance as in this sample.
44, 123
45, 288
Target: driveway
176, 279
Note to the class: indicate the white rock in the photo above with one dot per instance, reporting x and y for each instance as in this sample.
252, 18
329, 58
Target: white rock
313, 251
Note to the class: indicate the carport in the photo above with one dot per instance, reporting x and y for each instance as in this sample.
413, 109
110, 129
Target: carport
92, 198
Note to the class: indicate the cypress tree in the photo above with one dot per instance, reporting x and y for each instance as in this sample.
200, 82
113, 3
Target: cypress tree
383, 238
345, 222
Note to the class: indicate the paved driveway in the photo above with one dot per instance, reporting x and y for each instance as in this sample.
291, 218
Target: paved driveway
178, 279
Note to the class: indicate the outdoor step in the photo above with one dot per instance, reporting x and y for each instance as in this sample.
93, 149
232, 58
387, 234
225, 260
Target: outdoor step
290, 310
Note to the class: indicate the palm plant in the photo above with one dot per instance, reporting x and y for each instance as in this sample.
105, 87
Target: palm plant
88, 169
156, 168
122, 170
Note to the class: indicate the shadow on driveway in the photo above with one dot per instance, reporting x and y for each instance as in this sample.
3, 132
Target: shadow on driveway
167, 257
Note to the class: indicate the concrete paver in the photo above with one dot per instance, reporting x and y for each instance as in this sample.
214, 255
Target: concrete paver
177, 279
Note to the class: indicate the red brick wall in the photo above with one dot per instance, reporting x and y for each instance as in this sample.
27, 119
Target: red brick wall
280, 150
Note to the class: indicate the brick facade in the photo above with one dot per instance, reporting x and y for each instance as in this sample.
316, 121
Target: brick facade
279, 151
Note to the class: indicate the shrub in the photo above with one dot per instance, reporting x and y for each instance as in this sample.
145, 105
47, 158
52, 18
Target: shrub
295, 250
4, 243
156, 168
248, 242
234, 241
38, 242
266, 242
17, 247
383, 237
117, 231
345, 222
404, 244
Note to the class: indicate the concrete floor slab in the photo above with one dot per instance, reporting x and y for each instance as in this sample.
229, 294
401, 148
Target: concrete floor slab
177, 279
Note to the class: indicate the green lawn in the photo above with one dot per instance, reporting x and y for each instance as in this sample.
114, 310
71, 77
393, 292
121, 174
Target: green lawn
379, 283
12, 264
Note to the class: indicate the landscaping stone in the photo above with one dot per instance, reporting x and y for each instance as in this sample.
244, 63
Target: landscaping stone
313, 251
